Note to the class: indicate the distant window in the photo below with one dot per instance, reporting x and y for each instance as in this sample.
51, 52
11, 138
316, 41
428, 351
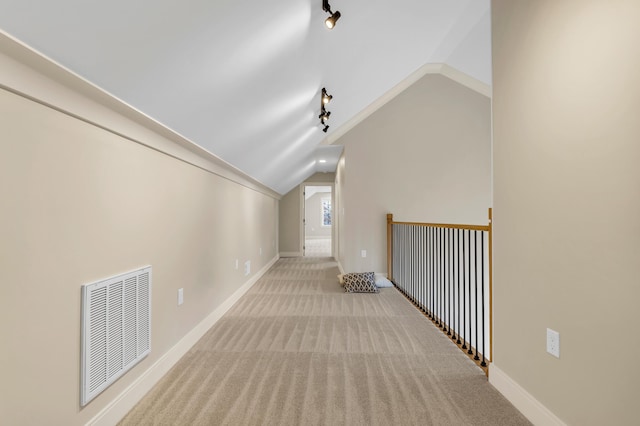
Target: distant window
326, 211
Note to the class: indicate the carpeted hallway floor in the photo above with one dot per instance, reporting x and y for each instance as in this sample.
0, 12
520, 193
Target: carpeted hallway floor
317, 247
296, 350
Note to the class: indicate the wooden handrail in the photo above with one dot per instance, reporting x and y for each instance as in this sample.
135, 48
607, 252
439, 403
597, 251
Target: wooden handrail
442, 225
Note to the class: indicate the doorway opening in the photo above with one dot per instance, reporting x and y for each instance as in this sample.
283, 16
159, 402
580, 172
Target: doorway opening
318, 220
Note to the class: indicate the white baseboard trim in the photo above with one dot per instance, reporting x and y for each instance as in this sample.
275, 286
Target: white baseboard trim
290, 254
340, 267
530, 407
123, 403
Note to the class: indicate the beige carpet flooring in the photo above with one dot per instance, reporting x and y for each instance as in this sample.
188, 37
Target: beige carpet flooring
296, 350
317, 247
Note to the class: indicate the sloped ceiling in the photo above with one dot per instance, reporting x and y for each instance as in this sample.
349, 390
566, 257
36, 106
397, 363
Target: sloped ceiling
242, 78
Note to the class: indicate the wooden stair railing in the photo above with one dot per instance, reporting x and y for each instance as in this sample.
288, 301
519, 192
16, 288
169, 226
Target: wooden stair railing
446, 271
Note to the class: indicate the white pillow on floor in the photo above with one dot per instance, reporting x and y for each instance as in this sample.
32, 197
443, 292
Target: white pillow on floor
382, 281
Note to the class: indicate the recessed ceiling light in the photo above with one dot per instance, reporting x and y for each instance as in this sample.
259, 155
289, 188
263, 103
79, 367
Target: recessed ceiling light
323, 161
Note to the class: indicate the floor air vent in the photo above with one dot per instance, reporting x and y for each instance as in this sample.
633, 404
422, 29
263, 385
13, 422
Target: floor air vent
116, 329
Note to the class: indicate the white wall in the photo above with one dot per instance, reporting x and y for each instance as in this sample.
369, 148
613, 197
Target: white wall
80, 203
424, 157
566, 111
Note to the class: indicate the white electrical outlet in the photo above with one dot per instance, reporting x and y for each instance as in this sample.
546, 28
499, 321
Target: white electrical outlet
553, 342
260, 251
180, 296
237, 264
363, 253
247, 267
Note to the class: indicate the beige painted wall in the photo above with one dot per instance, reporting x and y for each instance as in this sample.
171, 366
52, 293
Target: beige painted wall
566, 111
290, 226
424, 156
80, 204
321, 178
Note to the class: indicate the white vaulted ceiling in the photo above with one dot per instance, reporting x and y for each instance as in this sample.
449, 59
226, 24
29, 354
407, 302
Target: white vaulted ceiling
242, 78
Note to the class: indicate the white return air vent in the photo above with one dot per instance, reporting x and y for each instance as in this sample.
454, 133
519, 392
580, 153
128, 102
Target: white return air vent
116, 329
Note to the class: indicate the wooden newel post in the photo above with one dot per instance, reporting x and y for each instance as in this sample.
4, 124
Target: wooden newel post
389, 246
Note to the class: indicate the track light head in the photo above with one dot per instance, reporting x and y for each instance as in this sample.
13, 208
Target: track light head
325, 129
330, 22
324, 116
326, 98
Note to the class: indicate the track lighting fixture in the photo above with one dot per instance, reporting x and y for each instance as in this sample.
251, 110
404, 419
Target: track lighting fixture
325, 98
330, 22
324, 116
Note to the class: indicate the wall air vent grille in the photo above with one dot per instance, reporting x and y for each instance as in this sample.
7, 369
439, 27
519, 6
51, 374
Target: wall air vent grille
116, 329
